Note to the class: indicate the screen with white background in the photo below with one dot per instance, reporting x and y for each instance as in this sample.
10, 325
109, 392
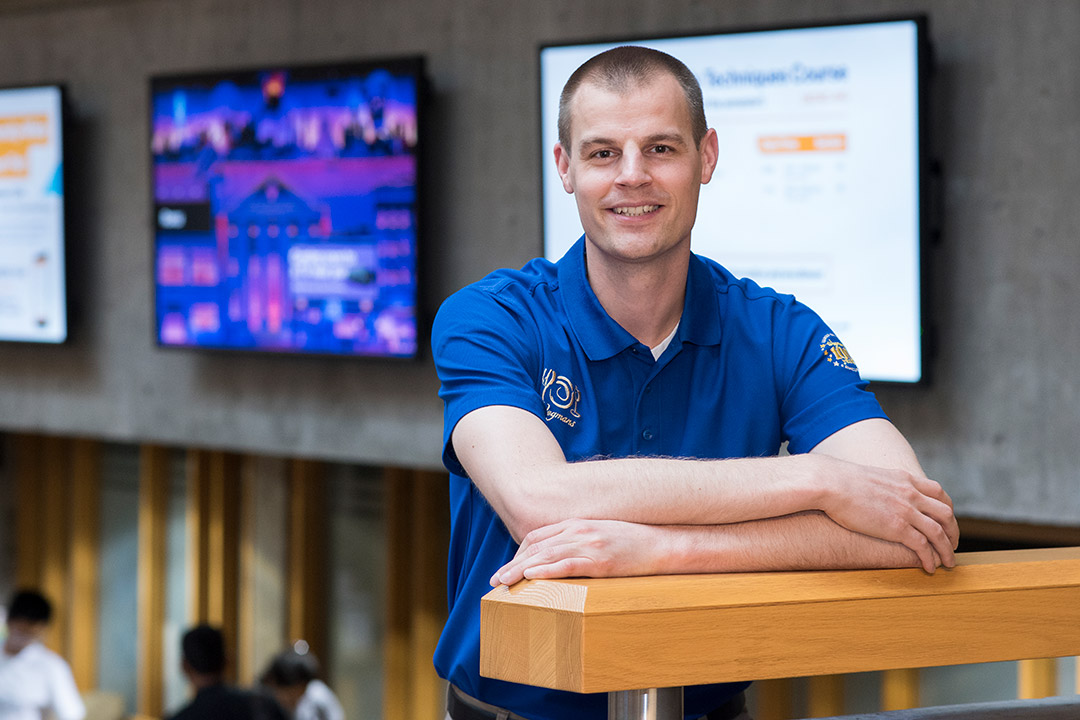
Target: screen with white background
816, 192
33, 306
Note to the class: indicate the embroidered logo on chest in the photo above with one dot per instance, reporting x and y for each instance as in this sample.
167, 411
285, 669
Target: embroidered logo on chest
561, 398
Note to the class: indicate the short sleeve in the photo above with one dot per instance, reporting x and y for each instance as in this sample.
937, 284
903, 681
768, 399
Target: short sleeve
821, 390
486, 353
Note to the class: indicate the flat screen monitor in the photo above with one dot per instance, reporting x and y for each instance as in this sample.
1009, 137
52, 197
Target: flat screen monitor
33, 287
819, 187
286, 208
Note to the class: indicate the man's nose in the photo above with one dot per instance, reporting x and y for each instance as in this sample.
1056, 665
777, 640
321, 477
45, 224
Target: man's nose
633, 169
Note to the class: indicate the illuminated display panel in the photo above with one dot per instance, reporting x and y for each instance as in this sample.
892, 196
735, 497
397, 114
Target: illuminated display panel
33, 287
286, 209
819, 186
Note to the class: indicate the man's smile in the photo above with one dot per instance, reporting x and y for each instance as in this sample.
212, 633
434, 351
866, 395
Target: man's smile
635, 210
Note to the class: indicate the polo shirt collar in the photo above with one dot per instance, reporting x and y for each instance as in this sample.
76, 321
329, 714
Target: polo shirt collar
701, 311
602, 338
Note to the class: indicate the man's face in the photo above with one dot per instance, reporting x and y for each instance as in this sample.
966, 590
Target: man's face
634, 169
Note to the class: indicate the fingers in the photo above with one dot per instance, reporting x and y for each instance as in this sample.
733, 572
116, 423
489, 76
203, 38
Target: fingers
927, 537
508, 574
905, 508
917, 543
536, 549
940, 509
514, 570
589, 548
539, 535
567, 567
548, 563
940, 526
934, 531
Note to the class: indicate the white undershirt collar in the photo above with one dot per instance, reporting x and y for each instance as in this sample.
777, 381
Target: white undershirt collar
659, 349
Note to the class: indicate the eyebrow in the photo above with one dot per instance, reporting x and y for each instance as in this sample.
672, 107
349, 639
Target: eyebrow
672, 138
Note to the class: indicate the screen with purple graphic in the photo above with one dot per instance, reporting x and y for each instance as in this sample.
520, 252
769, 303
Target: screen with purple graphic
286, 209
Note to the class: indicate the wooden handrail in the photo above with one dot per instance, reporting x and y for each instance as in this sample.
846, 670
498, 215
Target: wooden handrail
616, 634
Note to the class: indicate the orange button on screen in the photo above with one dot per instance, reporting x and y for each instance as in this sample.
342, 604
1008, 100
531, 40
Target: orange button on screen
827, 142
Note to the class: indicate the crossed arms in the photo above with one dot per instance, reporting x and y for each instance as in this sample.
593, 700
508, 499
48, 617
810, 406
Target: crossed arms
858, 499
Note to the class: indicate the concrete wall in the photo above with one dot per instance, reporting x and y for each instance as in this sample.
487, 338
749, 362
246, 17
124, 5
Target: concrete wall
998, 425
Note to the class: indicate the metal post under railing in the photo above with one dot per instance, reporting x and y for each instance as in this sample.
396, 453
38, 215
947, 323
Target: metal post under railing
652, 704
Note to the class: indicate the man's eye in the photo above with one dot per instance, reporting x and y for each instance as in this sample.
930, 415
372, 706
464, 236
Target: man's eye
661, 149
602, 154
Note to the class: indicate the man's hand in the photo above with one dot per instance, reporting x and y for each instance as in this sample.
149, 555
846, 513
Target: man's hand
897, 506
586, 548
876, 487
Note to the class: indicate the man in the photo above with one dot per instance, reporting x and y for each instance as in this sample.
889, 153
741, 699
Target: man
619, 412
33, 679
203, 662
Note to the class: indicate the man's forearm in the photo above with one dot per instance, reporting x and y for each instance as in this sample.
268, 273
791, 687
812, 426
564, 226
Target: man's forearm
604, 548
803, 541
664, 491
519, 467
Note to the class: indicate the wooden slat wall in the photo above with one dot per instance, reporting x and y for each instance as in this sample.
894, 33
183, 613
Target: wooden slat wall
899, 689
55, 529
196, 519
430, 522
263, 563
153, 520
308, 548
396, 676
213, 543
773, 699
58, 493
826, 696
417, 521
85, 503
1037, 678
222, 580
30, 518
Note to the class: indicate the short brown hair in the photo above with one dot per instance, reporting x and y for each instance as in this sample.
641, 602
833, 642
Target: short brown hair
623, 67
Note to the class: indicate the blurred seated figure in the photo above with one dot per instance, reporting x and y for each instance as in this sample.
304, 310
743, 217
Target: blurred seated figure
293, 678
33, 679
203, 649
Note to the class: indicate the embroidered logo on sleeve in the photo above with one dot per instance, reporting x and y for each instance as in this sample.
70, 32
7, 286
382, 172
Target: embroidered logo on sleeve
560, 396
836, 353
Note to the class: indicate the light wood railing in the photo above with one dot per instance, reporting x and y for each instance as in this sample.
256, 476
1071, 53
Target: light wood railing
621, 635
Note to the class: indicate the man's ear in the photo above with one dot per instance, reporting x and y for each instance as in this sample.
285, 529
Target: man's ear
710, 154
562, 162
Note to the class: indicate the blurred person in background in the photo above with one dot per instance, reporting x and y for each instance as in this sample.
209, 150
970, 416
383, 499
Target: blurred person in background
33, 679
293, 679
204, 662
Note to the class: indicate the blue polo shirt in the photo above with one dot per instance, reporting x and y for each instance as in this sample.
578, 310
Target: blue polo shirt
747, 370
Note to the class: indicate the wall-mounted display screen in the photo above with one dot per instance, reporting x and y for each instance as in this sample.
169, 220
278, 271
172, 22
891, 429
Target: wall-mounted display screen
33, 295
818, 191
286, 205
